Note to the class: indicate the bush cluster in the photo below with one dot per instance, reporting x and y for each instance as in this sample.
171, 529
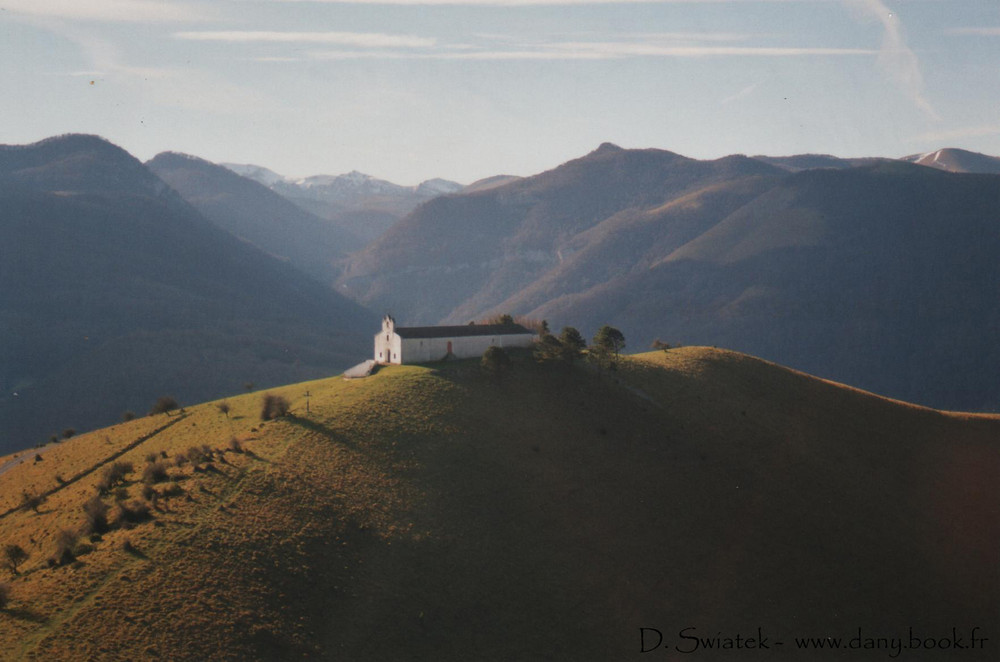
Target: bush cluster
113, 476
65, 554
199, 454
31, 501
568, 347
495, 362
155, 472
14, 555
273, 406
133, 512
95, 512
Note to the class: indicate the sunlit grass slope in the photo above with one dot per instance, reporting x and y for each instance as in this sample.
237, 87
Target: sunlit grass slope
433, 513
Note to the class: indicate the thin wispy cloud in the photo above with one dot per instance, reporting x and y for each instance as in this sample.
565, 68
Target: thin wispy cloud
457, 55
978, 32
528, 3
502, 47
362, 39
691, 36
127, 11
895, 57
187, 88
652, 49
742, 94
599, 52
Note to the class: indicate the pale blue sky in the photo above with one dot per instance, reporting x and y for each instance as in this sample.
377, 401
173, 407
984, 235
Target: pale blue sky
413, 89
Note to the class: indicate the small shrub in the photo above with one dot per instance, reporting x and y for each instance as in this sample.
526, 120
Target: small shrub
235, 445
121, 494
129, 547
38, 457
68, 432
149, 494
199, 454
273, 406
128, 416
547, 348
155, 472
224, 408
96, 513
114, 476
195, 455
14, 555
31, 501
495, 362
173, 490
4, 595
133, 512
65, 547
104, 483
152, 457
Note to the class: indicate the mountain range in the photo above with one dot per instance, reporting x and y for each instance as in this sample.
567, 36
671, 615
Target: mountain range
123, 281
881, 274
358, 203
258, 215
115, 291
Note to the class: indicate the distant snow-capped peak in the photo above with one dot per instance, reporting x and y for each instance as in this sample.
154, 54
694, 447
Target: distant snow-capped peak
353, 182
257, 173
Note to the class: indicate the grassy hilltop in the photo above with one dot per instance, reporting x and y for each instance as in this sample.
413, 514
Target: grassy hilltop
433, 513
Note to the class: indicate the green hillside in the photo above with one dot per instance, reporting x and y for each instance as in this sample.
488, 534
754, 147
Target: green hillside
433, 513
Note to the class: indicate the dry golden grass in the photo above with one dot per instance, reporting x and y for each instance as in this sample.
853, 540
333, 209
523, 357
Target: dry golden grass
432, 513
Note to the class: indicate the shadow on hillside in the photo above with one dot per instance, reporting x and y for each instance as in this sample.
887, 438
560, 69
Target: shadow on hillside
26, 614
136, 553
319, 428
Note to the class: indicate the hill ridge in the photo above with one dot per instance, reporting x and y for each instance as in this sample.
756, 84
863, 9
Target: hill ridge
746, 490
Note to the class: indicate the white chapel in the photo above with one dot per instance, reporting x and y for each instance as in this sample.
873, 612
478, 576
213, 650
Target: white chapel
420, 344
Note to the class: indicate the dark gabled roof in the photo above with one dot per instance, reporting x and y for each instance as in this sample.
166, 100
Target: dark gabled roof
461, 331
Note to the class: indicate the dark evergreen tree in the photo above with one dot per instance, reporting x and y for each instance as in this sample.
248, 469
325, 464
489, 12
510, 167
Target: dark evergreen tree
607, 346
572, 344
